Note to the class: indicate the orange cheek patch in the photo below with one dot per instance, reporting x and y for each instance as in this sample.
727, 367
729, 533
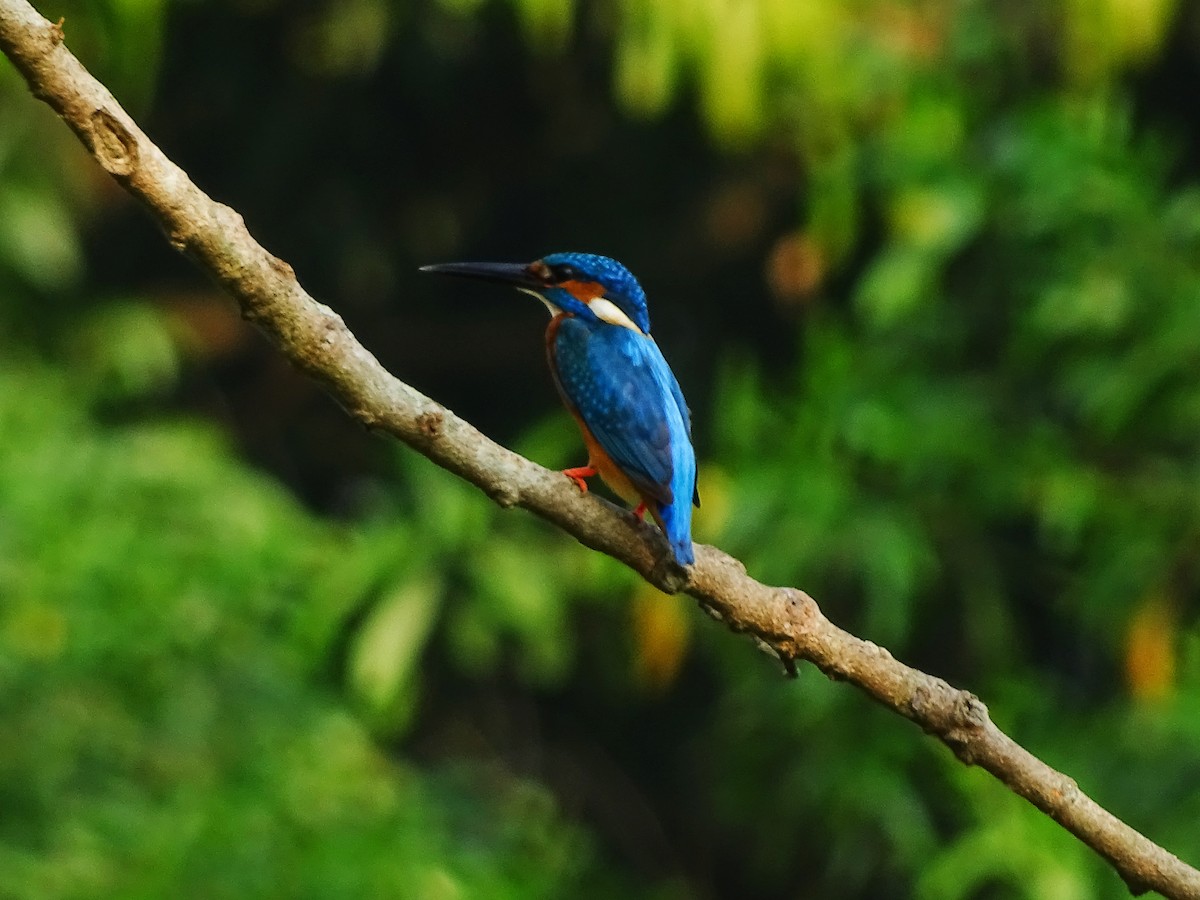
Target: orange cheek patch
583, 290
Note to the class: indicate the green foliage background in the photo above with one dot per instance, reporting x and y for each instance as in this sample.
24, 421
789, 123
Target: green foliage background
930, 273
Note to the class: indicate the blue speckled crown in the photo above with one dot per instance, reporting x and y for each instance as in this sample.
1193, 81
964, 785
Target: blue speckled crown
620, 285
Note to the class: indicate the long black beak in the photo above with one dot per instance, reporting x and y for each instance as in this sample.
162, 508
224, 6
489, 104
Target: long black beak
516, 274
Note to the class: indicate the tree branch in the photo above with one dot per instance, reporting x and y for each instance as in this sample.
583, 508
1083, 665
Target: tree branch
784, 620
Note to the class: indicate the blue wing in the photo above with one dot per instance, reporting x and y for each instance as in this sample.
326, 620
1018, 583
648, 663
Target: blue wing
687, 421
623, 389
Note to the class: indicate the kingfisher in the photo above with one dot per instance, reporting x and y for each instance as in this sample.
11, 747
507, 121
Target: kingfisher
614, 380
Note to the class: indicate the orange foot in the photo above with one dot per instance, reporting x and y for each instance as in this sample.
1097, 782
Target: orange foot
640, 512
578, 475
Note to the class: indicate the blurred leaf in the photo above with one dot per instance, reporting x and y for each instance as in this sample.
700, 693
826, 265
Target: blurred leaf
125, 350
661, 633
646, 59
547, 23
937, 219
898, 284
1150, 650
345, 39
386, 651
38, 238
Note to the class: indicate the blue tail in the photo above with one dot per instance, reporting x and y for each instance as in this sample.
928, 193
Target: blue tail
677, 515
677, 523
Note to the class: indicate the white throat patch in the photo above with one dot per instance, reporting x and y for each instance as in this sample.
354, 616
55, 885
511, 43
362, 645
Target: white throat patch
554, 310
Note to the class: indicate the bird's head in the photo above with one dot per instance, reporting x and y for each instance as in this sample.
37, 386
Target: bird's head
586, 285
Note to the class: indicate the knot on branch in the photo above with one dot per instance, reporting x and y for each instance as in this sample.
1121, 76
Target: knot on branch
667, 575
958, 717
504, 494
802, 610
333, 326
969, 717
791, 635
1067, 793
114, 146
178, 240
282, 268
430, 423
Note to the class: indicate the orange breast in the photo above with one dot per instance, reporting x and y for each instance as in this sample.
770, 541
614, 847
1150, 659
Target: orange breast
599, 460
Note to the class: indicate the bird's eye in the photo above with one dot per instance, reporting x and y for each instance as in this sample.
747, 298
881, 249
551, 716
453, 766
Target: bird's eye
565, 273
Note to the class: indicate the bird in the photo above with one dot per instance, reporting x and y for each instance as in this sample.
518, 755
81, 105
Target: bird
613, 380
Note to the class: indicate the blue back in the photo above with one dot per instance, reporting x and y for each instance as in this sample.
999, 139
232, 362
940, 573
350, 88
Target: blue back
628, 397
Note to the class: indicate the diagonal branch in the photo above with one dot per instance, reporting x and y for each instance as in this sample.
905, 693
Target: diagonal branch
785, 621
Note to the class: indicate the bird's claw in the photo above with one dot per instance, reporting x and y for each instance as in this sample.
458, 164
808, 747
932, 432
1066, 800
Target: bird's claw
579, 476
